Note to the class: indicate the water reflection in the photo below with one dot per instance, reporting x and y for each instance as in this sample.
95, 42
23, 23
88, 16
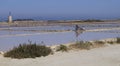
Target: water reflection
52, 38
78, 30
77, 34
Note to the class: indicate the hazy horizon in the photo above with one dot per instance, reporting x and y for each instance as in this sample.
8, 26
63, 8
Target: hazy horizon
60, 9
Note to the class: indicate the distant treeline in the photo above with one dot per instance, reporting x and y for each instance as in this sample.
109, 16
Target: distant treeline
23, 20
92, 20
88, 20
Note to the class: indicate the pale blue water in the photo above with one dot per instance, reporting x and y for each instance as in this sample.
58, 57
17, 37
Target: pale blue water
55, 38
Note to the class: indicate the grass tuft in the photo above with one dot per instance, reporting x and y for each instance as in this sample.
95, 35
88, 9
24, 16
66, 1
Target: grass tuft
118, 40
62, 48
81, 45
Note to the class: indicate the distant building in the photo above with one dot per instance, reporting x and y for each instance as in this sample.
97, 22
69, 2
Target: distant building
9, 18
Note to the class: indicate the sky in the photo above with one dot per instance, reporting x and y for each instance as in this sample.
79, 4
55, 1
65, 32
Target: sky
61, 9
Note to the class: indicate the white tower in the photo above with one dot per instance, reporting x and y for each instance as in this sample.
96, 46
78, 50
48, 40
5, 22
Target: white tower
9, 18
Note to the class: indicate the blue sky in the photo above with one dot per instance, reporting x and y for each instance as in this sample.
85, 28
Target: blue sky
68, 9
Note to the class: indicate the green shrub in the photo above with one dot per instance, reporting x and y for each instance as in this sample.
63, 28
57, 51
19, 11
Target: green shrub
62, 48
118, 40
99, 42
110, 42
28, 51
81, 45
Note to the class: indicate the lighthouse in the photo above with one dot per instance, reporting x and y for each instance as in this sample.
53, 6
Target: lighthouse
9, 18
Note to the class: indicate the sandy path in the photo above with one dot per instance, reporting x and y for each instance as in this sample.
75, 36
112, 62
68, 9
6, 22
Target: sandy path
105, 56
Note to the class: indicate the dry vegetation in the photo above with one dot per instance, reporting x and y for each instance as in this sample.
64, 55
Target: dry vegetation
81, 45
28, 51
34, 50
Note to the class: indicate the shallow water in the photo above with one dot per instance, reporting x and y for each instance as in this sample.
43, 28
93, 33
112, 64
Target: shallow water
53, 38
9, 39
